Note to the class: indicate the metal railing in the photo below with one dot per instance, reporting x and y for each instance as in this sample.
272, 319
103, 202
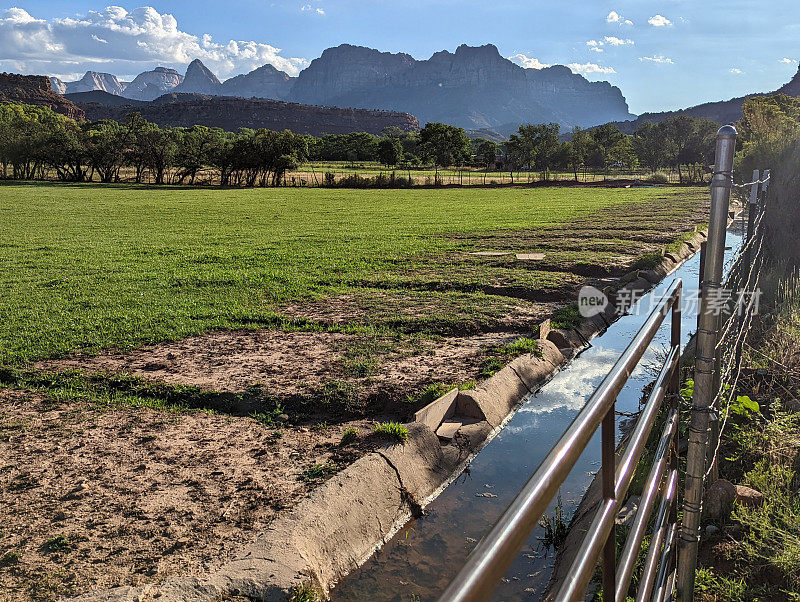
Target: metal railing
491, 558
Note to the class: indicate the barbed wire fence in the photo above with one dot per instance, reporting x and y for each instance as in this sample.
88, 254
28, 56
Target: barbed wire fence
741, 303
729, 300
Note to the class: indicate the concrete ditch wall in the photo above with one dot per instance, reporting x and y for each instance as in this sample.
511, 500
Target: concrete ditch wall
343, 522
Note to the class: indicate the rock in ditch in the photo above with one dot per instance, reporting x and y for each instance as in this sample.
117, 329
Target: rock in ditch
718, 500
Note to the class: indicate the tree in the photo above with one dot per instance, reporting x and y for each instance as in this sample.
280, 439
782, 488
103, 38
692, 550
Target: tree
607, 140
577, 150
106, 143
653, 148
390, 151
537, 146
444, 144
486, 154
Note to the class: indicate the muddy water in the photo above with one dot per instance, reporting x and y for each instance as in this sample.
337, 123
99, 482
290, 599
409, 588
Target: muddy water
419, 562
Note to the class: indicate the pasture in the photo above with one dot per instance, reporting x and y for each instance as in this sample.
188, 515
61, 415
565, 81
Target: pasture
290, 316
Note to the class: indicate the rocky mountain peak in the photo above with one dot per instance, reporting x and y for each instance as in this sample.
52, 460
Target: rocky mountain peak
152, 84
199, 80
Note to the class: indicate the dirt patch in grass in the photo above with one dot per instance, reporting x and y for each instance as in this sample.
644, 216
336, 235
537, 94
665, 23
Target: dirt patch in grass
282, 366
92, 499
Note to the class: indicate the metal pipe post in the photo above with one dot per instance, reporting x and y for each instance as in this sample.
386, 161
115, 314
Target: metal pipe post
704, 364
608, 454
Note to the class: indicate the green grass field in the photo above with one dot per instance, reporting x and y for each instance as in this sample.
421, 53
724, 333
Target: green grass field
91, 267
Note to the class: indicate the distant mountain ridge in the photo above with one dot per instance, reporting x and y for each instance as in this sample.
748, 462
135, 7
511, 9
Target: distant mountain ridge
724, 111
474, 88
177, 109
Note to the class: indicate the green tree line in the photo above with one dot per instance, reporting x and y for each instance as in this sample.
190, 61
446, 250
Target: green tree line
37, 143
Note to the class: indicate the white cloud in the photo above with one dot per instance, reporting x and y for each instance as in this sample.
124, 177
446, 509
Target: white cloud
736, 71
309, 8
615, 17
585, 68
659, 58
124, 43
528, 62
659, 21
788, 61
614, 41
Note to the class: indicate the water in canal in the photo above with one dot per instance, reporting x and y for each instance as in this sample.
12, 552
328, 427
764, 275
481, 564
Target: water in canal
419, 562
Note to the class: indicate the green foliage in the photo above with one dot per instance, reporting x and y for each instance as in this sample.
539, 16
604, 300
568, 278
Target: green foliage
270, 418
444, 144
647, 261
434, 391
772, 529
318, 472
555, 526
769, 125
349, 436
390, 151
500, 356
59, 543
744, 406
392, 430
306, 592
566, 317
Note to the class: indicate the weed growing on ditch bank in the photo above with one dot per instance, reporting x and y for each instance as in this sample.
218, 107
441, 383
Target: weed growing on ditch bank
349, 436
392, 430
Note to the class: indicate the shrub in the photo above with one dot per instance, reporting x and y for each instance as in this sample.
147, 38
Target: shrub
659, 177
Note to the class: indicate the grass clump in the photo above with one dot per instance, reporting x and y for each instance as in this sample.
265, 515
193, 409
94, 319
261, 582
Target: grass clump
566, 317
555, 527
59, 543
435, 390
392, 430
349, 436
306, 592
648, 261
318, 472
10, 558
271, 417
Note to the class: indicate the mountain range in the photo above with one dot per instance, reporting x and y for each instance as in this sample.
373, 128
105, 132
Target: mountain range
474, 87
723, 111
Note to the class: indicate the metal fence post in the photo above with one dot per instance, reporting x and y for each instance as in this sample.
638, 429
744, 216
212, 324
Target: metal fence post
704, 364
608, 441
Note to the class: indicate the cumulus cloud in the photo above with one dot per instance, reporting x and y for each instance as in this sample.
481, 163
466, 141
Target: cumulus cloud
125, 43
736, 71
787, 60
528, 62
658, 58
586, 68
615, 17
659, 21
597, 45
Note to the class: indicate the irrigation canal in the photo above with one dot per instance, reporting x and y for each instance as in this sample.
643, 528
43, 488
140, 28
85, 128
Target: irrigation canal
419, 562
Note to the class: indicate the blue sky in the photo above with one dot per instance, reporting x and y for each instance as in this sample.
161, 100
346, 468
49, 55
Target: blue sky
663, 54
